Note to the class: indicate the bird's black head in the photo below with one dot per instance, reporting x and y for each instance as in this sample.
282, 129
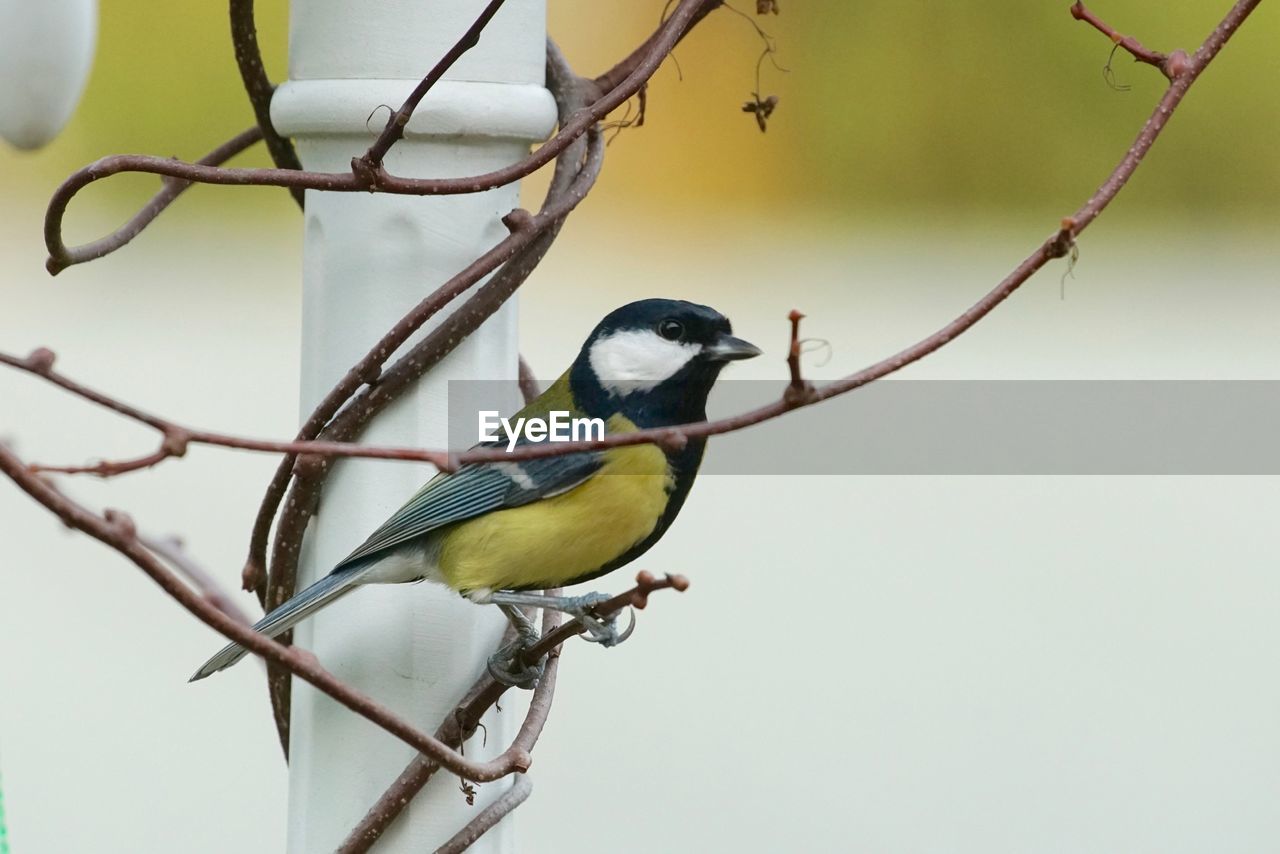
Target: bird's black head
655, 362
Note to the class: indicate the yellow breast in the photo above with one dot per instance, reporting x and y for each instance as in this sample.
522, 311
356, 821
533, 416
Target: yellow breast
555, 541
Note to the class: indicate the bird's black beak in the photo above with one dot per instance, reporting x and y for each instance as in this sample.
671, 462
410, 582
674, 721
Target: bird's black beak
730, 349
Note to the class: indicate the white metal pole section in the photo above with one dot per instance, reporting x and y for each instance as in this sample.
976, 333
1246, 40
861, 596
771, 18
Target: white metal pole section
366, 260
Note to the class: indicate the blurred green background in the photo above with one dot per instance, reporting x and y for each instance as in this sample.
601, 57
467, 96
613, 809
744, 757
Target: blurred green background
890, 109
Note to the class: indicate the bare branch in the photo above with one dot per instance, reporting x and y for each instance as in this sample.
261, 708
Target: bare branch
171, 549
177, 438
459, 726
1057, 245
371, 160
529, 389
609, 80
61, 256
799, 389
1170, 65
456, 729
259, 88
1054, 247
363, 179
117, 530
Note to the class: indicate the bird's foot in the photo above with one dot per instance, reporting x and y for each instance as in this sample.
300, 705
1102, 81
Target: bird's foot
598, 629
604, 630
507, 664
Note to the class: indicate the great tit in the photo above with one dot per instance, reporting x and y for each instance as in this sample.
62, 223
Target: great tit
492, 530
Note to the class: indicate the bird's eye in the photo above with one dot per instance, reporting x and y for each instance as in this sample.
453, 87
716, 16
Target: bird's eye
671, 329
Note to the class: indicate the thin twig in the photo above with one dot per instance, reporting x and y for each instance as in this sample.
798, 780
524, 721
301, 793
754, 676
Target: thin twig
1052, 248
798, 389
1056, 246
176, 438
372, 159
1162, 61
454, 731
259, 88
529, 389
609, 80
170, 189
488, 691
362, 179
116, 530
171, 549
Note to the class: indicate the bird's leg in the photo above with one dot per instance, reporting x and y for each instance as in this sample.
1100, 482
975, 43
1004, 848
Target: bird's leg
505, 664
601, 630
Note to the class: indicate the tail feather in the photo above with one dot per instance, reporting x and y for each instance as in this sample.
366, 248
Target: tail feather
288, 615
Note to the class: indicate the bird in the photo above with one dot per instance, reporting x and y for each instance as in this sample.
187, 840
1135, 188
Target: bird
496, 531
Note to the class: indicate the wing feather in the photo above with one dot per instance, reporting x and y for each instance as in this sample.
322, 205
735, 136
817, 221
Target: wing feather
475, 490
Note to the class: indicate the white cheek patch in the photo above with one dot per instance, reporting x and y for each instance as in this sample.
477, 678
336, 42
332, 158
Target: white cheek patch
638, 359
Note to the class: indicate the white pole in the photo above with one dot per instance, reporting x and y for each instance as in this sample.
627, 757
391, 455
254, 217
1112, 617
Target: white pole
366, 260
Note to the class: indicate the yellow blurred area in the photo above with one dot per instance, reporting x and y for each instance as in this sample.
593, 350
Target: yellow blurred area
889, 109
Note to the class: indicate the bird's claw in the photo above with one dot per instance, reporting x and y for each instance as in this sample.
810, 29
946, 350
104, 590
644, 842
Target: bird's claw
597, 628
508, 668
604, 631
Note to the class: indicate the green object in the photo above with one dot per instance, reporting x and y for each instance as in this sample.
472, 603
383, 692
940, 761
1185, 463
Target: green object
4, 833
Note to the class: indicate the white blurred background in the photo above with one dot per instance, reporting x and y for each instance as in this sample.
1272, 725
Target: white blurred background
888, 664
874, 663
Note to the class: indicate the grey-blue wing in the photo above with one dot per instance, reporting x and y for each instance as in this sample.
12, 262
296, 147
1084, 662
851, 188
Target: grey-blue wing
477, 489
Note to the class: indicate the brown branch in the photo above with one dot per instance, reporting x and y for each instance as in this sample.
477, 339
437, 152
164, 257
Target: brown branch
363, 180
108, 468
1170, 65
489, 816
177, 438
371, 160
170, 189
116, 529
463, 723
609, 80
259, 88
799, 389
1054, 247
529, 389
171, 549
1057, 245
456, 729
